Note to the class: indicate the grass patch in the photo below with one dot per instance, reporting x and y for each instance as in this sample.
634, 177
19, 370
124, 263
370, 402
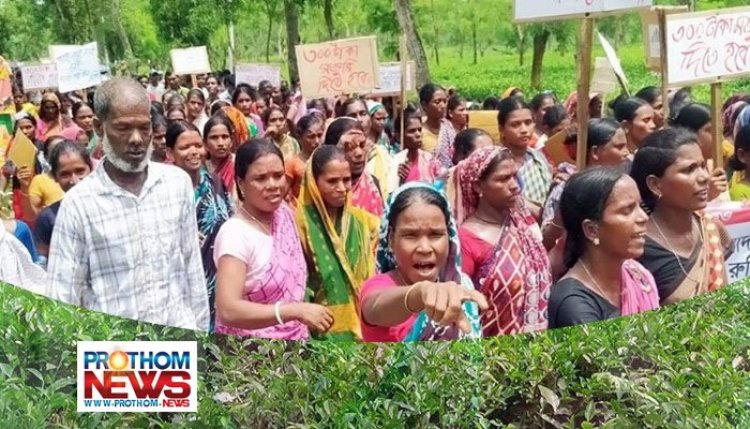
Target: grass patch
685, 366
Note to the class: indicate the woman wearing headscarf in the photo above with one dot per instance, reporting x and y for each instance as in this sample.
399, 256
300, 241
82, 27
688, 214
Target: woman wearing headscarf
338, 240
501, 244
458, 119
420, 293
50, 121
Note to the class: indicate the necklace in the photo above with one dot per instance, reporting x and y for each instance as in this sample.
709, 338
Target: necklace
596, 284
671, 248
249, 216
492, 222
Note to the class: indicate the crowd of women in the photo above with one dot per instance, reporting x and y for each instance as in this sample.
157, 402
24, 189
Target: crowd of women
351, 219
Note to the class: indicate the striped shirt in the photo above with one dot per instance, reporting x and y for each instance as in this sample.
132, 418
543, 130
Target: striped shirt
132, 256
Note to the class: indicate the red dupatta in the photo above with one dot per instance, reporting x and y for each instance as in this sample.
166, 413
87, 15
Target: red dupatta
366, 195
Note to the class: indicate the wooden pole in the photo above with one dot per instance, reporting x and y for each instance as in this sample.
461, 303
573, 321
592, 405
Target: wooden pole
194, 79
584, 87
717, 127
404, 57
664, 63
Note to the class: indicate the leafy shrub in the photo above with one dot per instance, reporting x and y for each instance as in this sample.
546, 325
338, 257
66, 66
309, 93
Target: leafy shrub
685, 366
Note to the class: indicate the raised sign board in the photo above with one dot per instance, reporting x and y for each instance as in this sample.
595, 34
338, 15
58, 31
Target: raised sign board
253, 74
652, 34
708, 46
78, 68
390, 79
346, 66
190, 60
556, 10
39, 76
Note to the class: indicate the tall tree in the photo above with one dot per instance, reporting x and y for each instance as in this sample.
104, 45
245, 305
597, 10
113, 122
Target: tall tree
413, 40
291, 13
328, 16
272, 12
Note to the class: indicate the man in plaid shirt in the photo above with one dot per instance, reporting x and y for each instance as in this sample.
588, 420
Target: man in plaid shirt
126, 241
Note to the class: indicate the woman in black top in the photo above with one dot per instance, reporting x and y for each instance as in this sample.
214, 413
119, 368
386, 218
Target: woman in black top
601, 211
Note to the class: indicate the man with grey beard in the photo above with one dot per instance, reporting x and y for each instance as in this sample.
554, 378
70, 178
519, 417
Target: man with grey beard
126, 240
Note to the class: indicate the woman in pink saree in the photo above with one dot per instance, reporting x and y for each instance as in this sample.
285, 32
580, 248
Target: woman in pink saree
261, 271
501, 244
606, 226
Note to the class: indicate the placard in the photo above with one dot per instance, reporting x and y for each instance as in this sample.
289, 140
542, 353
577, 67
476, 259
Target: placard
708, 46
735, 216
604, 80
78, 68
614, 61
192, 60
57, 50
557, 10
39, 76
485, 120
651, 33
390, 79
254, 74
339, 67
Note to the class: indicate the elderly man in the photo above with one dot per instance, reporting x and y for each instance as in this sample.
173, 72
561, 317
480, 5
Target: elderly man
126, 239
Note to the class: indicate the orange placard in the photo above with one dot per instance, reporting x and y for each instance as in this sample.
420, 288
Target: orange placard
555, 149
485, 120
22, 151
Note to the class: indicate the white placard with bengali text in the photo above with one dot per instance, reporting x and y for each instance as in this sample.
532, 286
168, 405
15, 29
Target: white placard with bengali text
39, 76
708, 46
390, 79
253, 74
556, 10
78, 68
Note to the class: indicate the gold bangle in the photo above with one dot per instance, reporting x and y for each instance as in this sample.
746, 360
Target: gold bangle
406, 299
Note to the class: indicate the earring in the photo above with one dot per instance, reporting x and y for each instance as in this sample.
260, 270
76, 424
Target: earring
595, 241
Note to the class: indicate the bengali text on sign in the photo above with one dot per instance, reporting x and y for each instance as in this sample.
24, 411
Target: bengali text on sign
555, 10
708, 46
340, 67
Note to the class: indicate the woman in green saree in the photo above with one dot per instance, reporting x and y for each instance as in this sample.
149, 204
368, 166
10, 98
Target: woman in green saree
338, 240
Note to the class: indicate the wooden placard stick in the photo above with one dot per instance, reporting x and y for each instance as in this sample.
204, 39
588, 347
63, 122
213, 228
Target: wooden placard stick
717, 125
664, 61
584, 87
404, 57
194, 80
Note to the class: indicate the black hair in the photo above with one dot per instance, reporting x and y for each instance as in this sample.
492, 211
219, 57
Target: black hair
173, 109
538, 100
244, 88
741, 141
195, 92
491, 103
508, 106
176, 129
269, 111
601, 131
411, 112
693, 116
306, 122
465, 142
649, 94
157, 108
27, 116
428, 91
680, 99
338, 128
49, 143
322, 156
218, 120
658, 152
248, 153
218, 105
78, 106
585, 198
453, 103
159, 121
341, 108
175, 99
409, 196
499, 157
625, 108
554, 116
63, 148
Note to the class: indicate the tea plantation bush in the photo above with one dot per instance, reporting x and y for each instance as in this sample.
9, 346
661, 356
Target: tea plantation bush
685, 366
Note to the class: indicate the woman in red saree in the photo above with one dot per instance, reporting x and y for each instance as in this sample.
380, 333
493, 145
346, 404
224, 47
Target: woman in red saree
218, 138
501, 244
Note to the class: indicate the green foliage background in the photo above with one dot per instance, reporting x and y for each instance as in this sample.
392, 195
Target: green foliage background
685, 366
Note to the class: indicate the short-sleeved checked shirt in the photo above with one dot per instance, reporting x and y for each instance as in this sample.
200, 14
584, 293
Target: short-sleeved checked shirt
132, 256
537, 177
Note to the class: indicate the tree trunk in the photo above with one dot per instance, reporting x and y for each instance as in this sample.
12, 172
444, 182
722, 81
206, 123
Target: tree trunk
119, 29
435, 34
474, 39
269, 10
292, 38
521, 45
540, 46
413, 41
328, 15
